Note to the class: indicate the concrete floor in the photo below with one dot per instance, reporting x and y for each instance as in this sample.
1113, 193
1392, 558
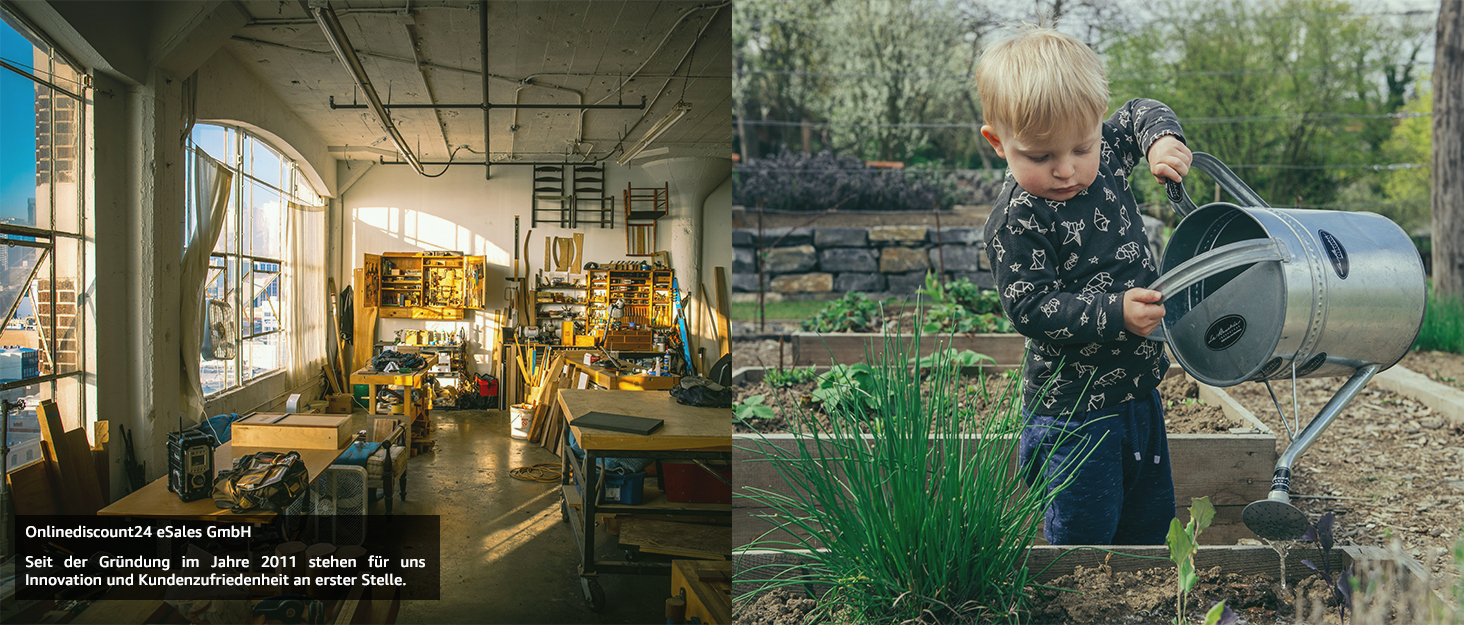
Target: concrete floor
507, 555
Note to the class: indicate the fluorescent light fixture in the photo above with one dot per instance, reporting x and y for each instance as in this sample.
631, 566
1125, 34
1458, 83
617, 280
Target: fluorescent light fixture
677, 112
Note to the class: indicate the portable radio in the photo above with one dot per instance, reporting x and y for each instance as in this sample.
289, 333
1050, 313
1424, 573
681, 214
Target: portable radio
190, 464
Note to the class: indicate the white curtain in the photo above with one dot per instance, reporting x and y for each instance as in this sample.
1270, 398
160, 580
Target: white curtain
304, 312
211, 184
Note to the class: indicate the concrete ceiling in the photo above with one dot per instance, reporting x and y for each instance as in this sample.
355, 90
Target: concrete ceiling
539, 52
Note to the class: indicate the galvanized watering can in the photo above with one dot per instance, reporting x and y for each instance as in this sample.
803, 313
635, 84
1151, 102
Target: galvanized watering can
1255, 293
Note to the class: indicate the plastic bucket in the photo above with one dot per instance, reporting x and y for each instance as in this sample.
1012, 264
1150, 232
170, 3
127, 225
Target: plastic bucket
520, 416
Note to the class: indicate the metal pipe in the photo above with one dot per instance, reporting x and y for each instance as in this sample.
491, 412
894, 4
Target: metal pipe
335, 34
483, 59
490, 105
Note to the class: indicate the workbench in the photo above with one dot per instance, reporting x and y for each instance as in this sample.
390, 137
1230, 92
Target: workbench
613, 380
412, 380
155, 501
688, 433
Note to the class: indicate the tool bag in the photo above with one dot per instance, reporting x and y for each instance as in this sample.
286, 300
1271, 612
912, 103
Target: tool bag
263, 481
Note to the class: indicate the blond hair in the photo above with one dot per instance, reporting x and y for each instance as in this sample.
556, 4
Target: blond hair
1039, 82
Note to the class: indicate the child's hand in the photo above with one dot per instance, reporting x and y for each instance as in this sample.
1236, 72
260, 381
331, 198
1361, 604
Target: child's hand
1143, 309
1169, 158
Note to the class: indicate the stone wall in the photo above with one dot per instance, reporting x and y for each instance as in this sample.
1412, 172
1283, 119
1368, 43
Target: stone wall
892, 260
826, 262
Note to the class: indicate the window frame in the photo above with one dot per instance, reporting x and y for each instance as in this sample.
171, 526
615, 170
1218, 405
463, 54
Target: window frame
67, 132
240, 266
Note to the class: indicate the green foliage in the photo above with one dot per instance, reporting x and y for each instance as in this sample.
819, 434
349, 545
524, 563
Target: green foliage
752, 407
779, 378
1443, 325
960, 359
850, 386
1407, 190
926, 520
1183, 541
880, 67
1307, 84
854, 312
960, 307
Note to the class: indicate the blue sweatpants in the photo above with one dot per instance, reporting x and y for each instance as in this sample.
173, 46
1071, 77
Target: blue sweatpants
1123, 493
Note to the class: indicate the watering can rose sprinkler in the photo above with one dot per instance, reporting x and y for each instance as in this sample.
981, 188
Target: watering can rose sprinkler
1255, 293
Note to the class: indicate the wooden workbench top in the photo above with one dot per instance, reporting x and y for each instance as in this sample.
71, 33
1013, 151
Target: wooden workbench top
686, 428
155, 501
389, 378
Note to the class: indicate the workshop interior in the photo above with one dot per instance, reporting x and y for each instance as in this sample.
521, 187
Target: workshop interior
341, 259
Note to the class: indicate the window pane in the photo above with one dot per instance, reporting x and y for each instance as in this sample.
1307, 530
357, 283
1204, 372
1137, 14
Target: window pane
264, 222
25, 426
226, 243
213, 141
68, 298
266, 298
18, 151
66, 136
264, 163
214, 374
262, 355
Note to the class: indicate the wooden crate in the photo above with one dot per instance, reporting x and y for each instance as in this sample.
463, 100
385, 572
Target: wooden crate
1232, 469
707, 587
292, 431
1054, 562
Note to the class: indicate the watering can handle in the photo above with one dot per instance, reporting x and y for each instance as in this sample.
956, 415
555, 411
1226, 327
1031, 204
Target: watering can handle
1222, 176
1225, 257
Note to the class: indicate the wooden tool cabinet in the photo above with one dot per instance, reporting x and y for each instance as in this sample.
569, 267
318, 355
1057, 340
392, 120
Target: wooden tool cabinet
425, 285
649, 305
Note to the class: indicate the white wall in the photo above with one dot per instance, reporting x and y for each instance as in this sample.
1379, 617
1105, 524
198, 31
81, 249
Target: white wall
393, 209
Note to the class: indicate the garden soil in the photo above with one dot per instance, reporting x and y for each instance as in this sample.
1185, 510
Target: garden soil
1387, 467
1108, 597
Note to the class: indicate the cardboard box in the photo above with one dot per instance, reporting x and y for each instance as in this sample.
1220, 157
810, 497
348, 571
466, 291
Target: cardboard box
284, 432
340, 403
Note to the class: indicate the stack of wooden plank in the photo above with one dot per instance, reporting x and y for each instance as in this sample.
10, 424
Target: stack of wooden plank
66, 481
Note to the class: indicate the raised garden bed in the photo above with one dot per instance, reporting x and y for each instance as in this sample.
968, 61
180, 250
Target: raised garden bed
1232, 467
811, 348
1119, 589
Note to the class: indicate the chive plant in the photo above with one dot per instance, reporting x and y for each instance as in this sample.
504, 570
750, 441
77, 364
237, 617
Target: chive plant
902, 506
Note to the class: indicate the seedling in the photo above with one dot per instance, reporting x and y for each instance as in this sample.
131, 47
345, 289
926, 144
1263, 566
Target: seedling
752, 407
1183, 542
780, 378
1341, 585
846, 384
963, 359
1220, 614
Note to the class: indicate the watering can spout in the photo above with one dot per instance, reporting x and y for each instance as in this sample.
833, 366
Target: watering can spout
1274, 518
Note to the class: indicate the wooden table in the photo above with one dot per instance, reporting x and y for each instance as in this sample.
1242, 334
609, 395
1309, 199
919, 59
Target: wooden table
688, 432
623, 382
155, 501
410, 379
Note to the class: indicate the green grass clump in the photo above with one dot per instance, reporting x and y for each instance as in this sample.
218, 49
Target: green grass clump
779, 311
911, 505
1443, 325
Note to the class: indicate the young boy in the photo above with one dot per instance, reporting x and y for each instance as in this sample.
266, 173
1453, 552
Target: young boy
1071, 261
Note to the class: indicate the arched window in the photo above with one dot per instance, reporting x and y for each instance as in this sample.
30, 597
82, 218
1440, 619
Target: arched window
246, 287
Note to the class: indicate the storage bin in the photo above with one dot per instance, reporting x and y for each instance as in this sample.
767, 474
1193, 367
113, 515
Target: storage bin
625, 489
688, 482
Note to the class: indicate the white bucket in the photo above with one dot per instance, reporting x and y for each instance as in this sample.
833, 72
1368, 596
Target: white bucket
520, 416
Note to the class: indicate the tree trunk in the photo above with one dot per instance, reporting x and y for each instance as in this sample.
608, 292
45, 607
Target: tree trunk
1448, 152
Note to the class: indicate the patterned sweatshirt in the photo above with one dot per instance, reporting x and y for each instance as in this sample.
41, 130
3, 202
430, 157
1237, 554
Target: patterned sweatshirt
1061, 269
